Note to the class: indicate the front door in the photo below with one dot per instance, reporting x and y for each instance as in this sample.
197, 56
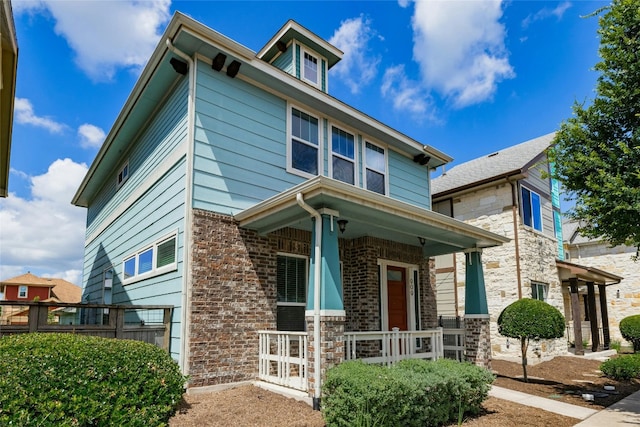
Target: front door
397, 298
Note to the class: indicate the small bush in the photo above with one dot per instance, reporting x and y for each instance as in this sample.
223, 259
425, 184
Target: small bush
622, 367
630, 330
76, 380
410, 393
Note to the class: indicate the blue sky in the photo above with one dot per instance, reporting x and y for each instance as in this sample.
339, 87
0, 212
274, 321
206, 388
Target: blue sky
466, 77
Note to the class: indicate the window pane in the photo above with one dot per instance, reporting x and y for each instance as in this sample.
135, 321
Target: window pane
310, 68
290, 318
166, 253
375, 157
304, 127
343, 170
291, 279
342, 142
304, 157
130, 268
375, 181
526, 207
535, 210
145, 261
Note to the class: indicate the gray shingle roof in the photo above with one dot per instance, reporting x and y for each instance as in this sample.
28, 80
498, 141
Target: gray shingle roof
496, 164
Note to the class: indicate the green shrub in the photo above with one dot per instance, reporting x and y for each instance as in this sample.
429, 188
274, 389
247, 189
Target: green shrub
76, 380
622, 367
410, 393
630, 330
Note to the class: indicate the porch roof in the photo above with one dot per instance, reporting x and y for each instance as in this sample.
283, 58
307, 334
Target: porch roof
569, 270
368, 214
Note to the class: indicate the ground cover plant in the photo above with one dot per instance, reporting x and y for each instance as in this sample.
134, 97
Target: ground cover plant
622, 367
410, 393
75, 380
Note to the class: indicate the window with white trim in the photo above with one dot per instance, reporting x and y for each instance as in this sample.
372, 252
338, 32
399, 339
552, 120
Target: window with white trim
376, 167
123, 174
343, 166
291, 279
531, 209
158, 258
304, 142
310, 68
22, 291
539, 291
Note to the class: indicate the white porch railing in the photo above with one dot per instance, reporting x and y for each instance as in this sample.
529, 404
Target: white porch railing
283, 358
454, 343
389, 347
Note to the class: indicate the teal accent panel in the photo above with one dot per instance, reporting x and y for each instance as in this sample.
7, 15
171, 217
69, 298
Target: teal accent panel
240, 144
163, 134
326, 147
285, 62
557, 219
159, 212
408, 181
360, 165
298, 60
331, 298
324, 75
475, 294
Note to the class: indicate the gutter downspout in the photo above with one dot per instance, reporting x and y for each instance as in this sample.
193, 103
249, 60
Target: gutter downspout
514, 209
186, 272
316, 298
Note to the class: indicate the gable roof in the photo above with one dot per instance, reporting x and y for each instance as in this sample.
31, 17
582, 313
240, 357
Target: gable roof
511, 161
62, 290
30, 280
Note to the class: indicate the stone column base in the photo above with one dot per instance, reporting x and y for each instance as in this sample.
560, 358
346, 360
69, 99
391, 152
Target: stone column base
478, 340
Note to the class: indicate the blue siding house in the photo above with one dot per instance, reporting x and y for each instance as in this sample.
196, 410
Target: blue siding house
271, 215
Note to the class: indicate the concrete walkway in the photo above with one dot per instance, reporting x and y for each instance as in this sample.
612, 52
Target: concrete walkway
623, 413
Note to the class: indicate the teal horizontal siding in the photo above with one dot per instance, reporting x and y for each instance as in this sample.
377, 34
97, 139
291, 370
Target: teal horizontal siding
285, 61
408, 181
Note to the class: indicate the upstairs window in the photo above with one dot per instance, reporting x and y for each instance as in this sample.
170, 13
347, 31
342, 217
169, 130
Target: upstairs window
304, 142
291, 279
343, 155
539, 291
123, 174
531, 209
153, 260
376, 167
22, 291
310, 69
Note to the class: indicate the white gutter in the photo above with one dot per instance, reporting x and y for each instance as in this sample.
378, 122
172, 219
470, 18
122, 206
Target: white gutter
186, 274
316, 298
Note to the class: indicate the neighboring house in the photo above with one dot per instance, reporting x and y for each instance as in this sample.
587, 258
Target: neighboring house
29, 287
508, 192
231, 184
624, 297
9, 64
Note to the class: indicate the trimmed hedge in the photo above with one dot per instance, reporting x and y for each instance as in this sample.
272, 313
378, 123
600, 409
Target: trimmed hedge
630, 330
622, 367
410, 393
531, 318
76, 380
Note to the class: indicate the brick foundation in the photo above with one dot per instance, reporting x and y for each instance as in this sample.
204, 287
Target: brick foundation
331, 346
478, 341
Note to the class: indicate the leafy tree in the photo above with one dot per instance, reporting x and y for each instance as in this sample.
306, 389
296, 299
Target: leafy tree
630, 330
528, 319
597, 151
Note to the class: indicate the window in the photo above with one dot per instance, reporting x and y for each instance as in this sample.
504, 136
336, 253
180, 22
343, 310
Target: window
22, 291
123, 174
310, 68
291, 278
539, 291
158, 258
304, 142
343, 155
376, 166
531, 211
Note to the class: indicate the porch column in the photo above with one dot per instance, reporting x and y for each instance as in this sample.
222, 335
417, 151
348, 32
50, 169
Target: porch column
476, 317
575, 313
604, 314
593, 317
332, 315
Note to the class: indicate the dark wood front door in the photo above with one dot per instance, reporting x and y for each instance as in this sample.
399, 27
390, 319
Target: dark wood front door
397, 297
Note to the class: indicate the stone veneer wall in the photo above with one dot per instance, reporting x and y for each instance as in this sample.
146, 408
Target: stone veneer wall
490, 209
616, 260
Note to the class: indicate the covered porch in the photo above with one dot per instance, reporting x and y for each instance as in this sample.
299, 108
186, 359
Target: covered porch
585, 302
371, 258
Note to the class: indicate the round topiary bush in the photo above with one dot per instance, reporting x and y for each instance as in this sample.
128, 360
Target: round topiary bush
528, 319
76, 380
630, 330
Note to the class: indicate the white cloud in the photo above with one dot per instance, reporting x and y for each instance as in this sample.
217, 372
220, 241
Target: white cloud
24, 115
461, 50
45, 235
357, 67
90, 136
407, 95
545, 13
106, 35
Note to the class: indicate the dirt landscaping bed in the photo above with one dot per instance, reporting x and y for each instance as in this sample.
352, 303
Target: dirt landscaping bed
563, 378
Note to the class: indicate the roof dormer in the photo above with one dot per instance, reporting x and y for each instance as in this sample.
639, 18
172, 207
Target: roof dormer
301, 53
